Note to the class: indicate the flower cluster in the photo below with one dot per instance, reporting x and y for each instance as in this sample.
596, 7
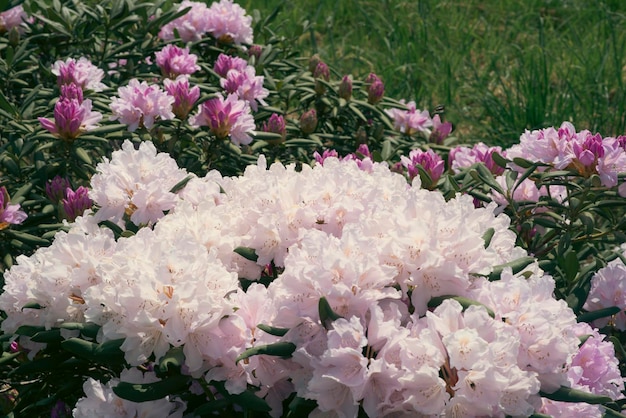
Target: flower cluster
241, 79
226, 117
608, 289
464, 157
224, 20
10, 213
15, 17
141, 104
72, 113
369, 281
411, 120
174, 61
582, 152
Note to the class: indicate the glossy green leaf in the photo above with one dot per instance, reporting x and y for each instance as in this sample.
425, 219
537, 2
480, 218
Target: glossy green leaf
151, 391
280, 349
600, 313
247, 253
327, 315
464, 302
278, 332
565, 394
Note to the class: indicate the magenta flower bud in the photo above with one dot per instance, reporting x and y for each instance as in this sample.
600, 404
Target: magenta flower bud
308, 121
440, 131
313, 61
9, 213
363, 151
72, 91
375, 92
61, 410
76, 202
225, 63
431, 162
321, 73
184, 97
55, 188
589, 150
326, 154
14, 347
275, 124
174, 61
71, 118
255, 51
345, 88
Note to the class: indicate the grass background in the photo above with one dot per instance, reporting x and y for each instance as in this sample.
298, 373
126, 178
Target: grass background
498, 66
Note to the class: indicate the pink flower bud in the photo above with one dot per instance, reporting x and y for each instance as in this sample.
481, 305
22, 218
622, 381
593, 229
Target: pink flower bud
375, 92
76, 202
345, 88
308, 121
55, 188
255, 51
184, 97
313, 61
275, 124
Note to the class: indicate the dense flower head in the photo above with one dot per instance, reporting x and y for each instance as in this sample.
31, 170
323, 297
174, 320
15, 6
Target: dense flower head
76, 202
10, 213
184, 97
464, 157
174, 61
247, 85
224, 20
224, 63
275, 124
582, 152
608, 288
430, 161
228, 22
141, 104
15, 17
72, 91
226, 117
71, 118
136, 184
363, 268
80, 72
411, 120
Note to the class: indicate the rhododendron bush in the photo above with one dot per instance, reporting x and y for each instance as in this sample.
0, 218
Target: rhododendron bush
195, 224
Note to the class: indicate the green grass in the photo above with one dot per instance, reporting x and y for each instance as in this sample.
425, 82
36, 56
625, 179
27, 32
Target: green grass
498, 66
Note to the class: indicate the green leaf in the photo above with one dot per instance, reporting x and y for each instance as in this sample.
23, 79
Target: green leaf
88, 329
172, 361
609, 412
280, 349
49, 336
278, 332
515, 265
251, 402
564, 394
80, 347
178, 186
570, 265
327, 315
83, 156
247, 253
29, 239
144, 392
499, 160
464, 302
600, 313
32, 305
487, 236
29, 330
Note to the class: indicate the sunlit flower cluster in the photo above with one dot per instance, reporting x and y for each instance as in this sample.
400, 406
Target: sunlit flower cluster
224, 20
383, 258
141, 104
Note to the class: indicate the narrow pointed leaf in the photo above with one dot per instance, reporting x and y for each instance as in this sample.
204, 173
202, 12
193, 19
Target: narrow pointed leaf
151, 391
278, 332
600, 313
280, 349
487, 236
564, 394
327, 315
247, 253
515, 265
464, 302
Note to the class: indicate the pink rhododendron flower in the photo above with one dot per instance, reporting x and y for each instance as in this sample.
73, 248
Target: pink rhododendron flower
247, 85
174, 61
141, 104
224, 20
608, 288
225, 63
411, 120
82, 73
464, 157
431, 162
184, 97
10, 213
76, 202
55, 188
71, 119
440, 130
226, 117
191, 26
15, 17
228, 22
